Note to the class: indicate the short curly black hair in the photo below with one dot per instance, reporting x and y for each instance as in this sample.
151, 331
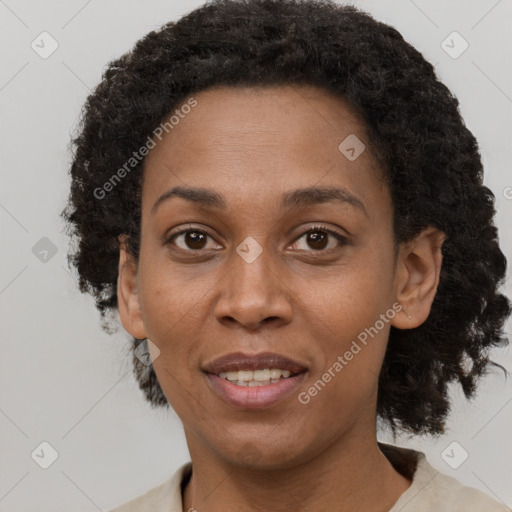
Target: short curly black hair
430, 159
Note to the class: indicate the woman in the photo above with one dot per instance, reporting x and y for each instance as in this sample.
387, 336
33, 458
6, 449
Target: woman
284, 206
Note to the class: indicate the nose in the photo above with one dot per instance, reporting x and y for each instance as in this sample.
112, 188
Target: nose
254, 293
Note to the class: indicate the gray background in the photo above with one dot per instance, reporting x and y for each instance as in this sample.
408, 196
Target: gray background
66, 382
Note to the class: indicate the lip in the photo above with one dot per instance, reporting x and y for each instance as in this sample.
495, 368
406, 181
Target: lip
256, 397
241, 361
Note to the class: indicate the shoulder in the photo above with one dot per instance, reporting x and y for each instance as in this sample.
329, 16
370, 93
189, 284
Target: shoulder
432, 490
163, 498
449, 494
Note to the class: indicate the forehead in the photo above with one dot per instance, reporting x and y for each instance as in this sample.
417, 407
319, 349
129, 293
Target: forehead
258, 142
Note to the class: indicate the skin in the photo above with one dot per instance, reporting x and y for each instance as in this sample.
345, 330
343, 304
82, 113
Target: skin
299, 298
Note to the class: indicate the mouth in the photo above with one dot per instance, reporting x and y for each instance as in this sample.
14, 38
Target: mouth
254, 381
251, 378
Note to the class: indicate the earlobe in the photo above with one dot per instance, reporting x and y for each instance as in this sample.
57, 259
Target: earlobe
128, 294
417, 277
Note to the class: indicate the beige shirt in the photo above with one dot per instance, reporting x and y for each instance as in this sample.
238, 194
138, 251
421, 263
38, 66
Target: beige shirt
430, 491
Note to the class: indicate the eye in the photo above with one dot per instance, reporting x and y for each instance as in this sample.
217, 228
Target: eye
191, 239
317, 238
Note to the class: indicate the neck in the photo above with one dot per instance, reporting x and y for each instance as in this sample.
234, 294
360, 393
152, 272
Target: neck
350, 475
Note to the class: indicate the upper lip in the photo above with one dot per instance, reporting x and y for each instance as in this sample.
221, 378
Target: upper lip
240, 361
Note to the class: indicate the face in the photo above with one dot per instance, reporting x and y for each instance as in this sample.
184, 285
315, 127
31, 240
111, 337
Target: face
252, 272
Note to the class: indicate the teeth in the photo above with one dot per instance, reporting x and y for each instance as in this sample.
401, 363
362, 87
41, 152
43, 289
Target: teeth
255, 382
244, 375
275, 374
255, 378
261, 375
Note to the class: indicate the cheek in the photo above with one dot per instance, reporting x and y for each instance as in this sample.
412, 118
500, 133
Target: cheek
349, 299
171, 295
350, 339
344, 318
173, 321
176, 311
171, 310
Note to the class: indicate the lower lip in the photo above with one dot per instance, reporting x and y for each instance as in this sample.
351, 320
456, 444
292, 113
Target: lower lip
254, 397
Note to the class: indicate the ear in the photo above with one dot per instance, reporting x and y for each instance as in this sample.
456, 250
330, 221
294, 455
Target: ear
127, 292
417, 277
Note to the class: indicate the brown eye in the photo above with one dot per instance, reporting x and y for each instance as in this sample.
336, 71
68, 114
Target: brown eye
318, 239
195, 239
190, 239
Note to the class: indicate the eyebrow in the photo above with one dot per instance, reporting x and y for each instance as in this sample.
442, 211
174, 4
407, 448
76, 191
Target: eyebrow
293, 199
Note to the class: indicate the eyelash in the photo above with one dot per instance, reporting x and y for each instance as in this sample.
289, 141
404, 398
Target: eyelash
343, 240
